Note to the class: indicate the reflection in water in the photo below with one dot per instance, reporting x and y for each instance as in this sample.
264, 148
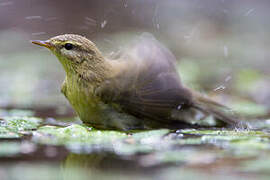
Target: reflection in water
100, 165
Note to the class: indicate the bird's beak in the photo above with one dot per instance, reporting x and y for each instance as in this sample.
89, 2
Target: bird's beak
42, 43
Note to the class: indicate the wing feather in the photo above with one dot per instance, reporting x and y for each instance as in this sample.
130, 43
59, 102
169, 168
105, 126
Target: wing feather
150, 86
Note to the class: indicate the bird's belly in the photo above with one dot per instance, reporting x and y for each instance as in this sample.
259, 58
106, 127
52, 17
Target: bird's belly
85, 104
94, 112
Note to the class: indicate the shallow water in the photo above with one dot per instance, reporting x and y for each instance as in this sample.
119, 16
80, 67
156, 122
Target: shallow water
55, 149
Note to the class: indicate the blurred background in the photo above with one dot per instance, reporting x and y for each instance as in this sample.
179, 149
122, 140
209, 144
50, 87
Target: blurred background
222, 46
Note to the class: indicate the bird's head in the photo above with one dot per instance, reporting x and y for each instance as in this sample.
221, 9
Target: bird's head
74, 51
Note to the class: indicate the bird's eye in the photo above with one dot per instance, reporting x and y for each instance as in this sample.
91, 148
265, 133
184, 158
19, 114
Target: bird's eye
68, 46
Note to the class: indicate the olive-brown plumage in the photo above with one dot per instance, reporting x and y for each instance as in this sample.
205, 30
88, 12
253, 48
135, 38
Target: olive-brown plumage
138, 88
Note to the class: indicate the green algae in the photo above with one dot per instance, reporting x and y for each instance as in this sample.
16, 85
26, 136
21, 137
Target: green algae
233, 139
15, 127
6, 133
21, 124
76, 137
90, 148
77, 134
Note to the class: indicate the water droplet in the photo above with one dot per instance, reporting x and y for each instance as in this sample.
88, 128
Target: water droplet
249, 12
228, 78
108, 41
38, 33
33, 17
221, 87
51, 19
225, 50
90, 21
103, 24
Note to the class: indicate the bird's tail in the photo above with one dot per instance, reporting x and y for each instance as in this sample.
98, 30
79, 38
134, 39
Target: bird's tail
219, 111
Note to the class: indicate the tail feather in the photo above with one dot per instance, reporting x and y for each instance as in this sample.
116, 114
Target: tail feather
219, 111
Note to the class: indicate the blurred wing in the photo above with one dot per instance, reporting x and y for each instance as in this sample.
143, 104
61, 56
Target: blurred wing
149, 86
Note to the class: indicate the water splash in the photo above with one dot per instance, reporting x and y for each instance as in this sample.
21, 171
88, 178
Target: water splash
228, 78
38, 33
51, 19
249, 12
221, 87
89, 21
103, 24
225, 51
33, 17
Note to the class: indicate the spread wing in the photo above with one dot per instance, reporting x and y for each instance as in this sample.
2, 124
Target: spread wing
149, 85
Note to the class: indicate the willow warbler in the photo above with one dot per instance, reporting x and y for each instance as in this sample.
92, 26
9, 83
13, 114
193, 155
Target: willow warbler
138, 88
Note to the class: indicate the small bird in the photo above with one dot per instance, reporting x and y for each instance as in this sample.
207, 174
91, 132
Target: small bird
137, 88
